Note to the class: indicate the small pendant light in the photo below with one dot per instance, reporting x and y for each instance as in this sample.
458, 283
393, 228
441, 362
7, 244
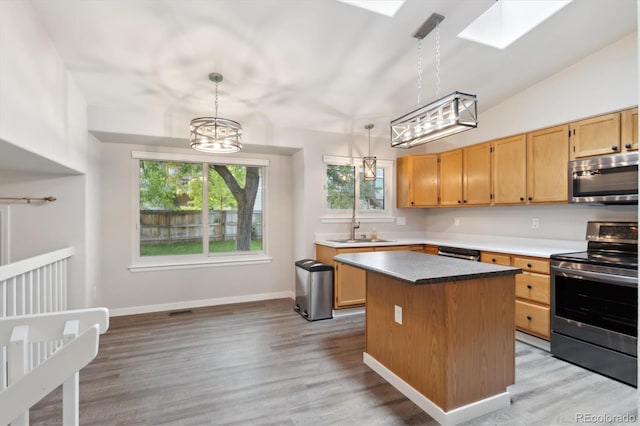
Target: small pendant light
369, 162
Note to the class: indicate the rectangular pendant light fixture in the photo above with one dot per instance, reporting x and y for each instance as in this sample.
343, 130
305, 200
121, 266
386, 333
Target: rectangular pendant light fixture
443, 117
446, 116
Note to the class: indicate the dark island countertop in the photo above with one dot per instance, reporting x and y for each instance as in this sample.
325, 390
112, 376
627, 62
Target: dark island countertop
419, 268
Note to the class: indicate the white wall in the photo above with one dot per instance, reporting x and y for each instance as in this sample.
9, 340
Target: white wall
39, 228
43, 122
41, 108
130, 292
604, 81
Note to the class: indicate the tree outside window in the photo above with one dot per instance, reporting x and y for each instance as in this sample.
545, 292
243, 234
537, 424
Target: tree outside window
342, 183
173, 197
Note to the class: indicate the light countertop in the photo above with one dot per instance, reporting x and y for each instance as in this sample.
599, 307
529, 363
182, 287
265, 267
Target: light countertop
419, 268
510, 245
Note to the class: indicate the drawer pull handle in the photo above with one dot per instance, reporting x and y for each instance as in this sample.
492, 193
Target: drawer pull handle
529, 317
529, 286
529, 265
628, 146
614, 148
494, 260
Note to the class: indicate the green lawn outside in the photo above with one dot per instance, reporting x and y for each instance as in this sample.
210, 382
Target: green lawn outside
193, 248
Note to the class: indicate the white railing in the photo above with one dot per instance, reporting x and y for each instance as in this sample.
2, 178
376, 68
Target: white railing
35, 285
23, 381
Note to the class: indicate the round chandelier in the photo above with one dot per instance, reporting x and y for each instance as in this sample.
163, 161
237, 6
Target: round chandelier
215, 134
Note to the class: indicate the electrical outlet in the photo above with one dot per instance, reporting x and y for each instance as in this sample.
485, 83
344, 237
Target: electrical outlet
456, 221
398, 314
535, 223
400, 220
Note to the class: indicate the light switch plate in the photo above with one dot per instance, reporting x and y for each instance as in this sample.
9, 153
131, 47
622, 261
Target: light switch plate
398, 314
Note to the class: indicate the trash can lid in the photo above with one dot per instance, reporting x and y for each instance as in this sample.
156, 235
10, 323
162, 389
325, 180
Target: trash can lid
313, 265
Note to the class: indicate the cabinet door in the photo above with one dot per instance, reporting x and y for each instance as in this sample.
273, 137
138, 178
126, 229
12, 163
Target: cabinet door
425, 180
349, 282
629, 130
350, 285
477, 174
451, 178
509, 176
547, 157
403, 182
596, 136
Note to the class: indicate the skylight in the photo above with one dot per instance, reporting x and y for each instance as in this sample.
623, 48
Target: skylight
508, 20
383, 7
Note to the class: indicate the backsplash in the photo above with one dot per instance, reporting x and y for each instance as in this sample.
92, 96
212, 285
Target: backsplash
555, 222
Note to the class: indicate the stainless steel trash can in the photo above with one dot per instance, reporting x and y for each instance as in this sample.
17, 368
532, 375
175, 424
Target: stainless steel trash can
314, 290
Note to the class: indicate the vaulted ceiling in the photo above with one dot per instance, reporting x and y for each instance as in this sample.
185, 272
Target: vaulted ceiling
313, 64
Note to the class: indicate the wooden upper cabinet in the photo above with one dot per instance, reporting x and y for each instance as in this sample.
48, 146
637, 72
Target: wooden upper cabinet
595, 136
403, 182
509, 170
417, 181
547, 157
465, 176
476, 174
629, 130
451, 178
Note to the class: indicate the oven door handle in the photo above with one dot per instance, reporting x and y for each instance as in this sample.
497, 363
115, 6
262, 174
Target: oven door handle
598, 276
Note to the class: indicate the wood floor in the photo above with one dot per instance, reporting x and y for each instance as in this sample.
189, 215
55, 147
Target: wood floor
260, 363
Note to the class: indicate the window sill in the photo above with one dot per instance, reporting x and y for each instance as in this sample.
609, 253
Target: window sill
363, 219
204, 263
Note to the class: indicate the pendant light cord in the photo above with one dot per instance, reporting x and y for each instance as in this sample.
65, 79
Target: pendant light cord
419, 71
216, 102
438, 59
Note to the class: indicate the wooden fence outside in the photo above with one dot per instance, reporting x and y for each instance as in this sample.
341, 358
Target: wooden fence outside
169, 226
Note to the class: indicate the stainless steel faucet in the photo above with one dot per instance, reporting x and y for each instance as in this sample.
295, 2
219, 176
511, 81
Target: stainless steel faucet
354, 225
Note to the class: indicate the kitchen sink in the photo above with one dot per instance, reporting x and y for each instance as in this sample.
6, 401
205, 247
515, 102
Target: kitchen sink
362, 240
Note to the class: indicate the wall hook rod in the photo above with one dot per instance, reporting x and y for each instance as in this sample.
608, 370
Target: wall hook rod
29, 199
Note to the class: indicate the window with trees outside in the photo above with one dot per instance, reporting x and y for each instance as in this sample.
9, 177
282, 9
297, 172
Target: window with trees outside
191, 209
344, 183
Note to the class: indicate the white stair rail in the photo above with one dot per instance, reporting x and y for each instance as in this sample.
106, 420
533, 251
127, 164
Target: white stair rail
35, 285
24, 381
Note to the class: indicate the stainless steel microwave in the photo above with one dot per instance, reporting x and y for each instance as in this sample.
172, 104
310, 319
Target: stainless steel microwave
607, 179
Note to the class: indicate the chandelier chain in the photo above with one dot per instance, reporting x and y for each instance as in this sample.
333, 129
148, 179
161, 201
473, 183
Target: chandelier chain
216, 101
419, 71
438, 59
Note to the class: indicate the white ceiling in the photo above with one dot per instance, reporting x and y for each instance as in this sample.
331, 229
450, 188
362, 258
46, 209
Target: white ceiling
314, 64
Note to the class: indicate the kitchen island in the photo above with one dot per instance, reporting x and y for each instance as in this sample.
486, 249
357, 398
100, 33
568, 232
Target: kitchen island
440, 330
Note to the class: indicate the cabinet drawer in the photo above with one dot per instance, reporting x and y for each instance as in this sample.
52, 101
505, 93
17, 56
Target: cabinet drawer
533, 286
413, 247
531, 264
532, 318
495, 258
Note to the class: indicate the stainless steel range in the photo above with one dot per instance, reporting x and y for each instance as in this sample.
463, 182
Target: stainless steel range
594, 302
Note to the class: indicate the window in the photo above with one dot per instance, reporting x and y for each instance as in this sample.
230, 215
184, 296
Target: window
192, 210
344, 178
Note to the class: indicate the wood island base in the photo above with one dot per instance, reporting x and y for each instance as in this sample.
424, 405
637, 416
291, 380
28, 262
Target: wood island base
445, 418
449, 346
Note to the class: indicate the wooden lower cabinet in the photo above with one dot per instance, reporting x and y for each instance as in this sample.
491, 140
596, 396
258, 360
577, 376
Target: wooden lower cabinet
532, 291
496, 258
430, 249
349, 283
412, 247
532, 318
